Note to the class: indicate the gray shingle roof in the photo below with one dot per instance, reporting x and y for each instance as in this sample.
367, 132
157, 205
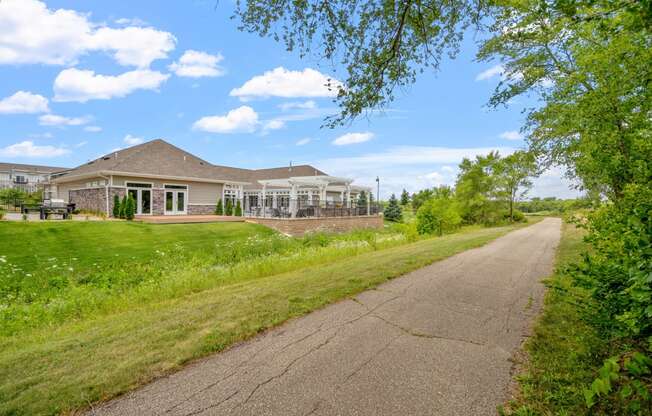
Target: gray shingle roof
159, 157
5, 167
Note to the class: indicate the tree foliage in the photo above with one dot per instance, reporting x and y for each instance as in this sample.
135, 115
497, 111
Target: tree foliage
219, 208
238, 209
382, 45
514, 177
405, 197
393, 210
439, 214
116, 206
477, 189
228, 209
130, 208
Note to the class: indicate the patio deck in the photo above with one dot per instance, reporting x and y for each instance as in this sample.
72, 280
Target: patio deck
186, 219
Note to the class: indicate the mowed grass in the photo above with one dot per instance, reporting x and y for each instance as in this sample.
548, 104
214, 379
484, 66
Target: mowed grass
31, 244
67, 366
563, 351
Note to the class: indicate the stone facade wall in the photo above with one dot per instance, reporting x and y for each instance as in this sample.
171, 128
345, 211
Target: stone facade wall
201, 209
91, 199
158, 202
115, 191
299, 226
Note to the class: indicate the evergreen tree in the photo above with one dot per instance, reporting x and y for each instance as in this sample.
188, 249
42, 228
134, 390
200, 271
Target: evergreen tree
393, 210
238, 209
116, 206
123, 207
219, 208
362, 199
130, 208
405, 197
229, 208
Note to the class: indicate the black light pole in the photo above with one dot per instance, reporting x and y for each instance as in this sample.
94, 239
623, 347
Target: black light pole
377, 191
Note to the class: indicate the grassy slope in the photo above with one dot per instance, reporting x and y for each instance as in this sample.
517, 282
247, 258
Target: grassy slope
562, 350
31, 244
74, 365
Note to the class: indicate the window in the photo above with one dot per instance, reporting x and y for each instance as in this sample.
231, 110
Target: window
20, 179
95, 184
176, 187
138, 185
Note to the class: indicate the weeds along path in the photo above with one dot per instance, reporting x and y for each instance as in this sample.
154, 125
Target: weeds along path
435, 341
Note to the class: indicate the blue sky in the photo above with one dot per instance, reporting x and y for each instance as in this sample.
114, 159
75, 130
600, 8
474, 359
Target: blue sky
82, 78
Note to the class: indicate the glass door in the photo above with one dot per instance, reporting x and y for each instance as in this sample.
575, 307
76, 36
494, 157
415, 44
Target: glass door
142, 197
176, 199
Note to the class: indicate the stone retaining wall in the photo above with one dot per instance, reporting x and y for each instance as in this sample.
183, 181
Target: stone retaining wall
297, 227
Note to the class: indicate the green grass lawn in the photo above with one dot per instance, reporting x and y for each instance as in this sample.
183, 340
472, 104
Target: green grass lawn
563, 352
80, 336
31, 244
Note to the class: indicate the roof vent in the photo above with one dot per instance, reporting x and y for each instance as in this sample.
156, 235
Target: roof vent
106, 158
115, 155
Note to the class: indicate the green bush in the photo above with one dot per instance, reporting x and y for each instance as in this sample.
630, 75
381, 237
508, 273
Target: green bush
123, 207
219, 208
2, 214
238, 209
617, 272
116, 206
130, 208
228, 210
438, 215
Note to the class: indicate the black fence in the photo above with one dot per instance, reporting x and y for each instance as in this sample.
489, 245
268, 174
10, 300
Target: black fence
285, 208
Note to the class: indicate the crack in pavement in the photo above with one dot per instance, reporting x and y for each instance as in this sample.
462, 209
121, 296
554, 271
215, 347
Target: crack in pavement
212, 406
417, 334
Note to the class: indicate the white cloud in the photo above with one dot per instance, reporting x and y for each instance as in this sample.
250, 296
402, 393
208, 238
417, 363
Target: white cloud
130, 22
353, 138
240, 120
24, 102
55, 120
410, 167
511, 135
93, 129
28, 149
301, 105
81, 144
132, 140
195, 64
281, 82
496, 70
82, 85
133, 46
273, 124
304, 141
34, 34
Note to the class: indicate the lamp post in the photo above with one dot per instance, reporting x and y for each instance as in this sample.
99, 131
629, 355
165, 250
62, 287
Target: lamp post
377, 190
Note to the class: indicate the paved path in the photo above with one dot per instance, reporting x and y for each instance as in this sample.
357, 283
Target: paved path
437, 341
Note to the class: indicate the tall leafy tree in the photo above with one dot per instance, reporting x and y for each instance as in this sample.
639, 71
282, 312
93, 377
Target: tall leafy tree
590, 63
514, 177
476, 188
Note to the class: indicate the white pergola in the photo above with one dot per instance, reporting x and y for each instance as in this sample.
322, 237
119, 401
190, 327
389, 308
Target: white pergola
321, 184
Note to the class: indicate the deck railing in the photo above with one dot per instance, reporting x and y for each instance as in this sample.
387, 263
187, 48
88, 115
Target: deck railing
306, 209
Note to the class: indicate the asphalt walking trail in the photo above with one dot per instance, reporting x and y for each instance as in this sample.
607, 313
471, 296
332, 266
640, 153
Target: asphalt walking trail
437, 341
